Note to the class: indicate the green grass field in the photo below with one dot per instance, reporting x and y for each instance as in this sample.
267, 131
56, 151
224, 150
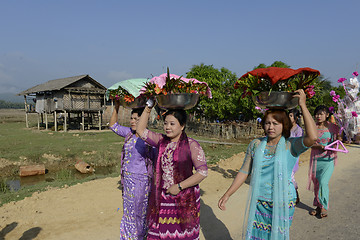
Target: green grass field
59, 151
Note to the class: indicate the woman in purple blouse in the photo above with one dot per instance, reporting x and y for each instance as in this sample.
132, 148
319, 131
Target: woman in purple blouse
295, 131
136, 175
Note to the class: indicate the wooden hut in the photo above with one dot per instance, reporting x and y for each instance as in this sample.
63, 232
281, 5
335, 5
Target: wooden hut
78, 100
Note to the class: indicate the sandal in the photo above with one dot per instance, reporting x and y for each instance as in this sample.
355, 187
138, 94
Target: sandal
315, 212
323, 213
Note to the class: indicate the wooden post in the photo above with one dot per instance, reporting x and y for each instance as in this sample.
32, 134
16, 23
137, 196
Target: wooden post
88, 100
83, 120
26, 112
55, 121
38, 119
65, 121
99, 119
46, 121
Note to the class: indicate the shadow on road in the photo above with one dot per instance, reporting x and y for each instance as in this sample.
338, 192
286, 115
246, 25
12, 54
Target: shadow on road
8, 228
304, 206
212, 227
30, 234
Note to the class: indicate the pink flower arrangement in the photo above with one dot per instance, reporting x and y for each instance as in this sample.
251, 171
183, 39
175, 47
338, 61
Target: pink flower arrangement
355, 74
354, 114
336, 98
310, 91
168, 83
341, 80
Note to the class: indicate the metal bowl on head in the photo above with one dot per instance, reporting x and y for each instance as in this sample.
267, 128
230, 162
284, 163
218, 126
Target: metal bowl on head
177, 100
279, 100
138, 102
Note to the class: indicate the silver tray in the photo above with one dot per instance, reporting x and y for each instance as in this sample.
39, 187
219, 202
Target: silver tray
177, 100
139, 102
280, 100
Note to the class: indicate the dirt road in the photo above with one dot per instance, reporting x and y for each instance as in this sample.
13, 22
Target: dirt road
93, 210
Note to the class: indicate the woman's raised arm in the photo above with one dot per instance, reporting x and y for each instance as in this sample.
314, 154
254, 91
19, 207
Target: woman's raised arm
144, 118
114, 116
310, 126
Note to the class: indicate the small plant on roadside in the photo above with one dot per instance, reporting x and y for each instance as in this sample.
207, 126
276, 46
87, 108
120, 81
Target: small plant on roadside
3, 186
64, 174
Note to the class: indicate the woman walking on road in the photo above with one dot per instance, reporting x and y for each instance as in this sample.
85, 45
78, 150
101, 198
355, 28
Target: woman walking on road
174, 205
136, 172
295, 131
270, 160
322, 161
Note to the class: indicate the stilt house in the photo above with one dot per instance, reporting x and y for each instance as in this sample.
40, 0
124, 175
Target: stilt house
74, 101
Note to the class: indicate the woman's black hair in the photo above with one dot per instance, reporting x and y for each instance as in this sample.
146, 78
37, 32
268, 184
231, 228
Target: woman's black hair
282, 117
322, 108
179, 114
139, 111
296, 114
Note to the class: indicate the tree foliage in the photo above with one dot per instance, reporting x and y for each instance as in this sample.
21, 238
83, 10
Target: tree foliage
274, 64
6, 104
226, 103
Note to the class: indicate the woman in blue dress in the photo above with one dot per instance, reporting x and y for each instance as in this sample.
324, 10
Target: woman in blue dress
322, 161
270, 161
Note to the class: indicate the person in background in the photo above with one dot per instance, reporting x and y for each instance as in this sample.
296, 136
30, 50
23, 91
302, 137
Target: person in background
174, 205
136, 173
295, 131
270, 160
322, 161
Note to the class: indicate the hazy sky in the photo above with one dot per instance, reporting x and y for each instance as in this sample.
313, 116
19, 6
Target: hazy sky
113, 40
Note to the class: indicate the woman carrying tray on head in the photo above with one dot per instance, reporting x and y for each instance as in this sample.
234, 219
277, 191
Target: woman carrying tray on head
174, 204
136, 173
270, 160
322, 161
295, 131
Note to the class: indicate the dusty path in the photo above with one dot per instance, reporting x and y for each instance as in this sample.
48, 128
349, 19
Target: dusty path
90, 210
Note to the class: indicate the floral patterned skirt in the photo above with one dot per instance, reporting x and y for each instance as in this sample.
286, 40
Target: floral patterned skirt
136, 189
263, 219
169, 226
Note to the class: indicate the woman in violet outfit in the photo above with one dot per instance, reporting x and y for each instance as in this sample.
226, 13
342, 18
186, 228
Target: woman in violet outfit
322, 161
295, 131
136, 173
270, 160
174, 204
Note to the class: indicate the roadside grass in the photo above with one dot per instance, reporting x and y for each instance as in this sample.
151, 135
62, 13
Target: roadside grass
22, 145
33, 146
64, 180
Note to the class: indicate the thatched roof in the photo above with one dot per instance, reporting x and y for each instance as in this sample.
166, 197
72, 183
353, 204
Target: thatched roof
58, 84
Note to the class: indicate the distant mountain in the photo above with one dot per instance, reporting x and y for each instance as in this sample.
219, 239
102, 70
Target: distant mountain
11, 97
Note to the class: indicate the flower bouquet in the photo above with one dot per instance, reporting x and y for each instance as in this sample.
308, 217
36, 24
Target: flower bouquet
348, 111
128, 93
274, 86
172, 91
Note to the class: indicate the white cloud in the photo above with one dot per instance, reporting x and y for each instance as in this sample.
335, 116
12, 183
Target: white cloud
119, 76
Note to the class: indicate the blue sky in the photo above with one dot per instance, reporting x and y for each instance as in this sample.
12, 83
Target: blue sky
117, 40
